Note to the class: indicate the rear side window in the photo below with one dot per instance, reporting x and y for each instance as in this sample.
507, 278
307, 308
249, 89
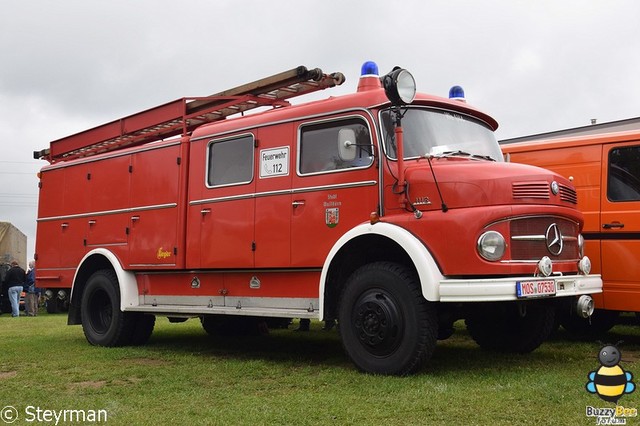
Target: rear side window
624, 174
319, 146
230, 161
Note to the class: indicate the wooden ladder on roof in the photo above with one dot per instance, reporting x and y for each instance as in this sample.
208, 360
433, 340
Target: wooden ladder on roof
183, 115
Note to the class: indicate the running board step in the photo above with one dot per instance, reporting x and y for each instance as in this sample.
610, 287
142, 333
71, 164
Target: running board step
173, 310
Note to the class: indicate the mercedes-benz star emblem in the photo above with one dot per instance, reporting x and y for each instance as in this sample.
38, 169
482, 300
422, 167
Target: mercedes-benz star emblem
553, 238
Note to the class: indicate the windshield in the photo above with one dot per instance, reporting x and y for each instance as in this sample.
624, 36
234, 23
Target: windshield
440, 133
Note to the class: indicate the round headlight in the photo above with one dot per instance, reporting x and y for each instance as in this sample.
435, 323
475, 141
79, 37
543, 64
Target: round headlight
491, 245
399, 86
545, 266
584, 266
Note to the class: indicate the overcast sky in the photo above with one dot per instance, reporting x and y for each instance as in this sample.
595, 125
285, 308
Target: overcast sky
535, 66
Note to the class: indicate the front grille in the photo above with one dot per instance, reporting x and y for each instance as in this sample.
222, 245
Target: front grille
541, 191
568, 194
530, 190
529, 238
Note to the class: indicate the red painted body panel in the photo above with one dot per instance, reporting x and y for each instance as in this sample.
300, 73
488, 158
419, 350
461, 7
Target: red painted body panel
302, 284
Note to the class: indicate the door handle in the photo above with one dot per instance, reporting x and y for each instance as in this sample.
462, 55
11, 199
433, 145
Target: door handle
135, 218
205, 211
613, 225
297, 203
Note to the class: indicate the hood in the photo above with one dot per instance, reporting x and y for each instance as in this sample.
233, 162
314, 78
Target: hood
471, 183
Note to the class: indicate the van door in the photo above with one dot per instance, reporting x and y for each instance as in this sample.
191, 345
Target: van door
335, 187
620, 226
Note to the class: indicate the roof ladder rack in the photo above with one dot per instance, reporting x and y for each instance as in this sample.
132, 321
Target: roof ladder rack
183, 115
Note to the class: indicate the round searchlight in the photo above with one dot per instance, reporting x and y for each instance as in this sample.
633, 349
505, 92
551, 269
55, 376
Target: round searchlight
400, 86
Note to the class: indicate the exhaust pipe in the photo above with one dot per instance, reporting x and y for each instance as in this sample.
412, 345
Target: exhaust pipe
584, 306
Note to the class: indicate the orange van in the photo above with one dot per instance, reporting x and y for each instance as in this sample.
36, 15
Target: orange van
605, 170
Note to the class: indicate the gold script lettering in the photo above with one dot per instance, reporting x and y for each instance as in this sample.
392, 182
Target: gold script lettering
162, 254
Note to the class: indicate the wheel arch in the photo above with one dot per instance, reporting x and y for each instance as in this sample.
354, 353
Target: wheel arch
368, 243
94, 261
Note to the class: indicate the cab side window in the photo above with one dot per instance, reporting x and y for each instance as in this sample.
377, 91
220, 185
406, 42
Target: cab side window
319, 146
230, 161
624, 174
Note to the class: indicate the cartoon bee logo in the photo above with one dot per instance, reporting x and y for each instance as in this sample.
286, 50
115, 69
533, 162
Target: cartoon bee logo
610, 381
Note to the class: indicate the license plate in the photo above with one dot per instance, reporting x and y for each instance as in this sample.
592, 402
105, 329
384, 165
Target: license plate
526, 289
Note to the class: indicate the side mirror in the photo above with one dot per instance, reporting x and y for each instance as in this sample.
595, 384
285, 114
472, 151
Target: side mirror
347, 144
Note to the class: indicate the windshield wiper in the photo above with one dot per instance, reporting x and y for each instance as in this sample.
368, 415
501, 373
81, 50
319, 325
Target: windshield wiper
460, 153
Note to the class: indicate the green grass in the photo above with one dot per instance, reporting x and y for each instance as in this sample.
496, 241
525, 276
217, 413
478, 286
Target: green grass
183, 376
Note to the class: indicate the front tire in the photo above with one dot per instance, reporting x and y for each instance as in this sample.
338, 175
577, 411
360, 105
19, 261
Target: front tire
387, 326
103, 323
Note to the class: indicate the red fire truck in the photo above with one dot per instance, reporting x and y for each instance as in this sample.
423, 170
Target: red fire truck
387, 210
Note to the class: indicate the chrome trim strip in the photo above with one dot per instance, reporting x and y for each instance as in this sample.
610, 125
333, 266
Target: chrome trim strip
228, 271
284, 192
534, 261
109, 212
540, 238
336, 186
152, 264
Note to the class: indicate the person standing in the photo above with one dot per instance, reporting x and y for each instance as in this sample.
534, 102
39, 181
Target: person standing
15, 281
33, 293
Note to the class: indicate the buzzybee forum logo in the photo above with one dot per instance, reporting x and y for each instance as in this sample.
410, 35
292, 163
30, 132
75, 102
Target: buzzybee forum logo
610, 382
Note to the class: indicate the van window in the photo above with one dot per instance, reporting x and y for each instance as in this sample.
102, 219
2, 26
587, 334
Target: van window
230, 161
319, 146
624, 174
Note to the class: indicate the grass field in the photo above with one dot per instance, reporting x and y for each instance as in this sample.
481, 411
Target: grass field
184, 376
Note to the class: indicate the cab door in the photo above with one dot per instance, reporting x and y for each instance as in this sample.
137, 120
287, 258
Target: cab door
620, 226
334, 188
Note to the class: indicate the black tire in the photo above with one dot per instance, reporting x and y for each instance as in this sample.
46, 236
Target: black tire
52, 306
503, 328
143, 328
102, 321
600, 322
228, 325
386, 326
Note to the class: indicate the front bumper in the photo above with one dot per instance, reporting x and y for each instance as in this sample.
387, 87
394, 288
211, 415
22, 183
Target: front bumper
504, 289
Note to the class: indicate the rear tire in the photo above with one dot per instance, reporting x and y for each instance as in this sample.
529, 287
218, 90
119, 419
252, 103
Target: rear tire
52, 306
502, 328
582, 328
103, 323
387, 327
228, 325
